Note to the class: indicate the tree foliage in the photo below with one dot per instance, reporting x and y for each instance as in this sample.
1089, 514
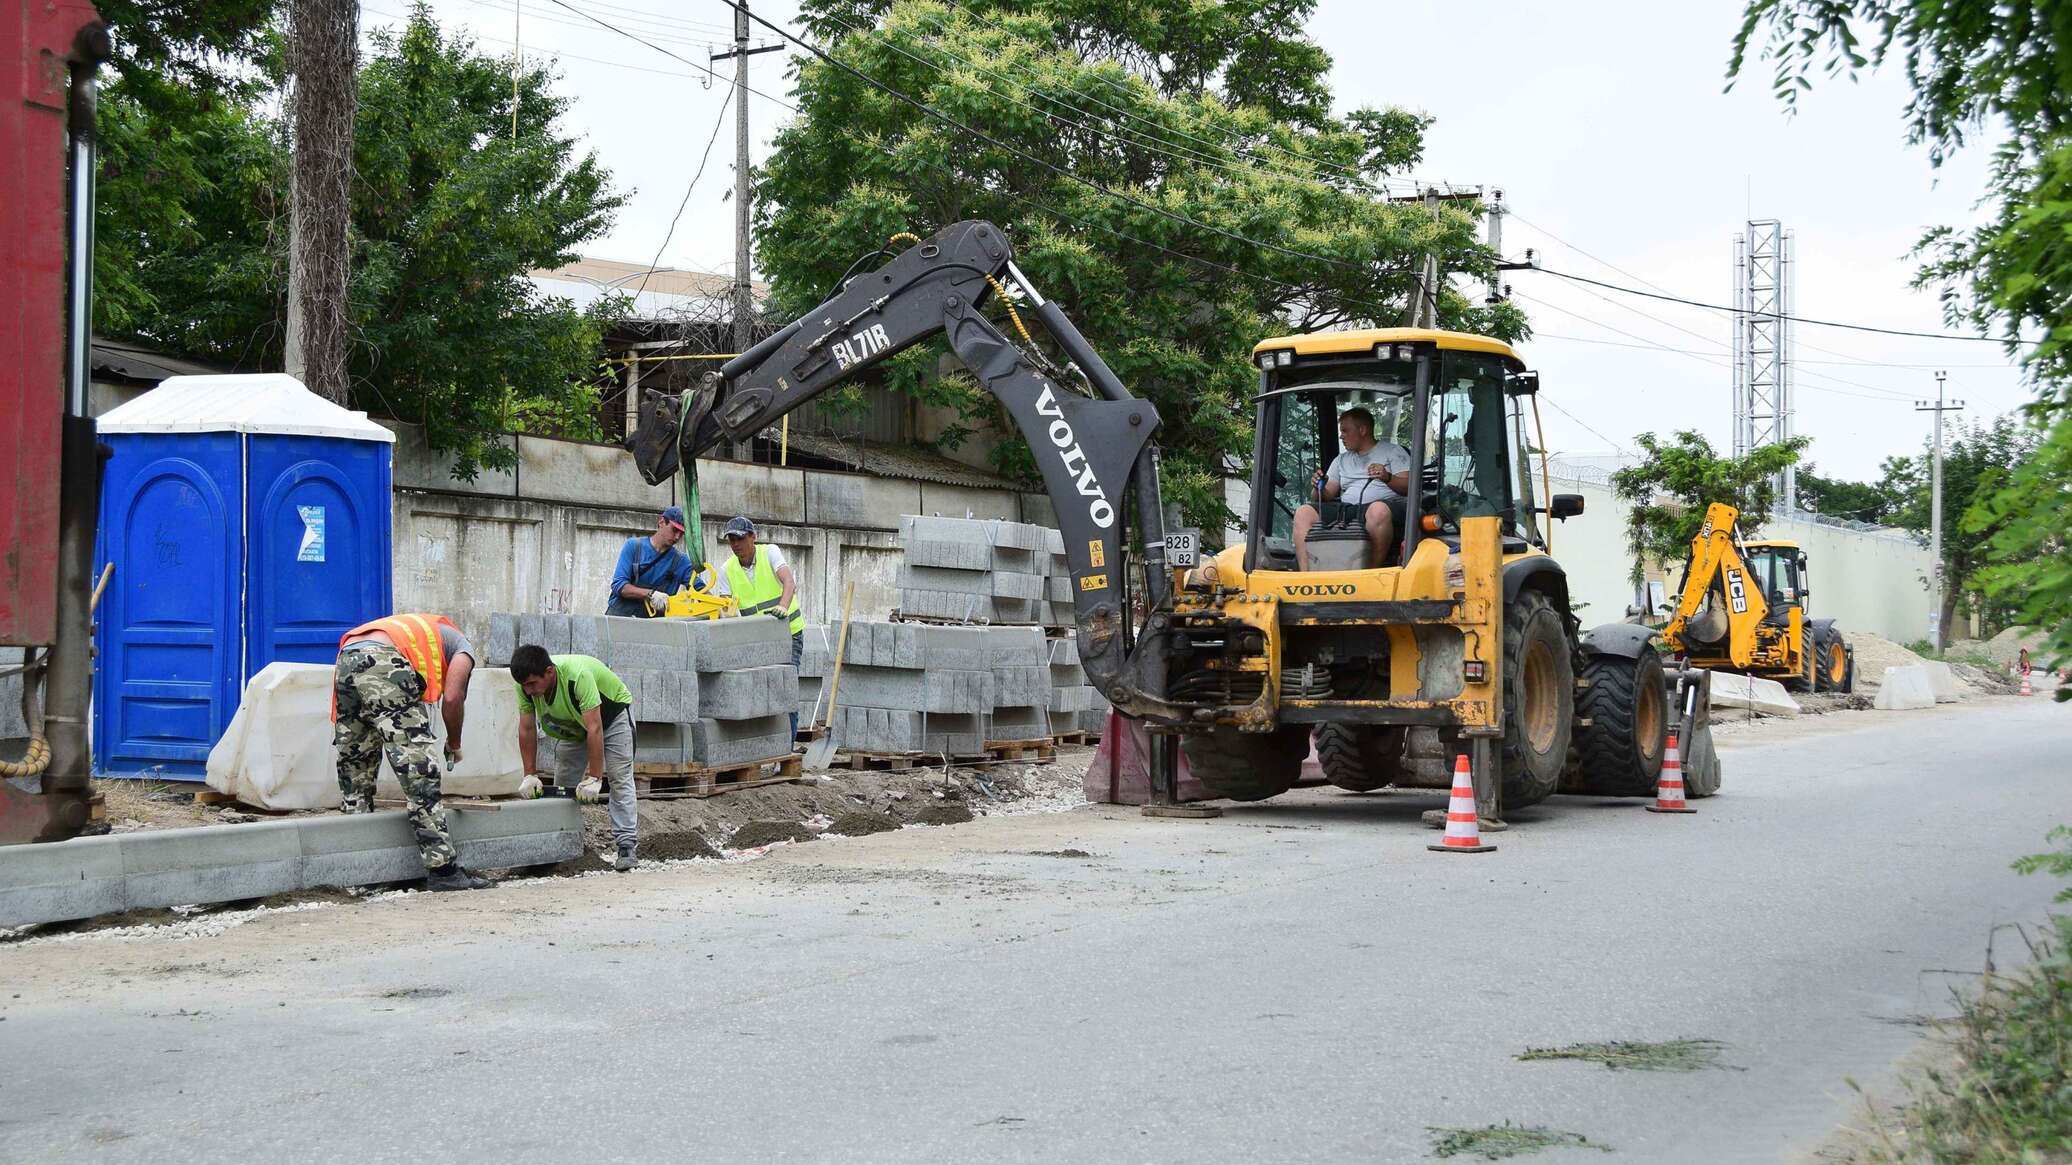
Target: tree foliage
1857, 501
1681, 477
2001, 70
1210, 122
450, 212
1978, 462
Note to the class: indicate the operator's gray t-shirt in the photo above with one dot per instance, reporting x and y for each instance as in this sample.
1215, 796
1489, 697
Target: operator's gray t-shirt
1349, 470
452, 643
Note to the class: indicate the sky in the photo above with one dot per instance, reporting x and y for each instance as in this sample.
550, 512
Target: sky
1605, 125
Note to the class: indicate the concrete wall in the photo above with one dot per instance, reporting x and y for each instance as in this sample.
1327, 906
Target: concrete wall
1866, 579
545, 536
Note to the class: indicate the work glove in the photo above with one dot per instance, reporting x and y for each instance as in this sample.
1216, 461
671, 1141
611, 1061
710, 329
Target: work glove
657, 602
530, 788
591, 791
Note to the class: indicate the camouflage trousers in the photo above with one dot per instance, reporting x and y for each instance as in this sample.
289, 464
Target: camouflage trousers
381, 708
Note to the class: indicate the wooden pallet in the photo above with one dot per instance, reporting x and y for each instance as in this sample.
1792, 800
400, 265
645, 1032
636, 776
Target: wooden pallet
213, 797
1040, 752
1081, 738
665, 781
881, 761
811, 732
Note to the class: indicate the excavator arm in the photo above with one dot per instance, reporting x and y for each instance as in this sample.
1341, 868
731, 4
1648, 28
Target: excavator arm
1718, 607
1091, 449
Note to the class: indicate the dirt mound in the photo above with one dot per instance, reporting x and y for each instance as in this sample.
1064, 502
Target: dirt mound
1875, 653
2001, 651
680, 845
862, 823
948, 813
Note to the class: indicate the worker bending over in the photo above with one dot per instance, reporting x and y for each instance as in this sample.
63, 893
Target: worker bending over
651, 569
388, 672
1369, 479
760, 581
588, 711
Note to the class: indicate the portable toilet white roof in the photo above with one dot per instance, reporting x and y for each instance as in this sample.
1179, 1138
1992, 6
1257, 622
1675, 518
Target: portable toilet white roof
267, 402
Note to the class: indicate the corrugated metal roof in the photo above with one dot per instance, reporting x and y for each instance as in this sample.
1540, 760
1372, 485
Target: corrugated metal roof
900, 461
267, 402
130, 362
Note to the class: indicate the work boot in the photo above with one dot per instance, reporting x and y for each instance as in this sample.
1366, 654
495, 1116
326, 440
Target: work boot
626, 860
455, 877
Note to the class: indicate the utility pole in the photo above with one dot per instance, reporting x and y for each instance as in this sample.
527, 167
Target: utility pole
1496, 246
744, 301
1936, 581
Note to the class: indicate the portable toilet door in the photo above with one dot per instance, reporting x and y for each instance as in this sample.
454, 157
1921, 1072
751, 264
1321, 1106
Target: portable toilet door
248, 521
317, 545
166, 676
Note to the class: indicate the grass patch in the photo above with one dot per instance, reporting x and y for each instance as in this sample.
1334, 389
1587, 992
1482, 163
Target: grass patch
1496, 1142
1666, 1056
2005, 1100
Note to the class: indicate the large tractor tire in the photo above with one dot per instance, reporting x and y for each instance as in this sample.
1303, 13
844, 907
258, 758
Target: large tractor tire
1247, 766
1837, 669
1809, 678
1625, 704
1359, 759
1539, 699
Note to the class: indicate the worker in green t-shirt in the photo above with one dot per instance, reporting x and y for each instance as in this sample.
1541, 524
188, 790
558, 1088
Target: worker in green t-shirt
588, 712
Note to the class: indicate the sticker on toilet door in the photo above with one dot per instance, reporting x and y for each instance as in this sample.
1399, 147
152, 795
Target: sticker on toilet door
312, 548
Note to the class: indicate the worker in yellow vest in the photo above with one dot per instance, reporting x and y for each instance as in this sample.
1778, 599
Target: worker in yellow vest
761, 581
390, 672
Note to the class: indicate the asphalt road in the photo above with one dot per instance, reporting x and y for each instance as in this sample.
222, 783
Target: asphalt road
1299, 980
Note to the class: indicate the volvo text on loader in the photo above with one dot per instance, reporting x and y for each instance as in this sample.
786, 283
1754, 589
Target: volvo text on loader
1462, 642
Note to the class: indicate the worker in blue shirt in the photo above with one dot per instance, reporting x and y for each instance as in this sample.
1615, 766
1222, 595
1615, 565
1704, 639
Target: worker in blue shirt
651, 569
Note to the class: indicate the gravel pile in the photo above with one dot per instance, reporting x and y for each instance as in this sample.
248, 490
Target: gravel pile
1875, 653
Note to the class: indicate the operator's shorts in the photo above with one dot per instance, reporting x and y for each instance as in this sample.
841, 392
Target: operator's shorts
1355, 513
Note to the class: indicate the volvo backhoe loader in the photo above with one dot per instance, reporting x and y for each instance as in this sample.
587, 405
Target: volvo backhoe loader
1463, 643
1742, 607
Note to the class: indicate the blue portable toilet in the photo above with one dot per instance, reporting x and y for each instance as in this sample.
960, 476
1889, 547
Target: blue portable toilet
247, 519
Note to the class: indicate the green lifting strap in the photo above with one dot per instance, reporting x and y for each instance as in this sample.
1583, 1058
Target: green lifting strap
693, 516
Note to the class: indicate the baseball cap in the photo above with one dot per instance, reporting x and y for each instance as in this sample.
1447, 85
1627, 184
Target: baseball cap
674, 516
737, 528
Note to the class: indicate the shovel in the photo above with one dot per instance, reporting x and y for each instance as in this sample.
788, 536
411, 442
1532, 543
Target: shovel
821, 752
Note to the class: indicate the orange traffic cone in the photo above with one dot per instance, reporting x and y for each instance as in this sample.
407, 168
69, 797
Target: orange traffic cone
1463, 832
1669, 793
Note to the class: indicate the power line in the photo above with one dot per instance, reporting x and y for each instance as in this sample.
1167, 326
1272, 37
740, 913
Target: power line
1060, 171
720, 121
1738, 311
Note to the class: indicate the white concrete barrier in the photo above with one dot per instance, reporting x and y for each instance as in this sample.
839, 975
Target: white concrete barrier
278, 752
1734, 690
1905, 689
1944, 683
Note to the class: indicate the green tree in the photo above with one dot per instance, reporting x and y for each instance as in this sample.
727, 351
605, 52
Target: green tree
1978, 460
2000, 70
1211, 122
1857, 501
1681, 477
450, 213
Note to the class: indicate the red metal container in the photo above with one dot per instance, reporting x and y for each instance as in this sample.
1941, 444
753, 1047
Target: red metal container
37, 47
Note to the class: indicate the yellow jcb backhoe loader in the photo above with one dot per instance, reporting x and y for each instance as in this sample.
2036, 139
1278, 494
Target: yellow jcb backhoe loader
1741, 607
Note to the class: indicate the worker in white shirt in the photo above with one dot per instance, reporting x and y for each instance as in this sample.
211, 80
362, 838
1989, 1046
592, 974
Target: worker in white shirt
1367, 482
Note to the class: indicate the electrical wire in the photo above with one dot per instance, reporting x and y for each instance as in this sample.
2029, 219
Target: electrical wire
716, 124
1738, 311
